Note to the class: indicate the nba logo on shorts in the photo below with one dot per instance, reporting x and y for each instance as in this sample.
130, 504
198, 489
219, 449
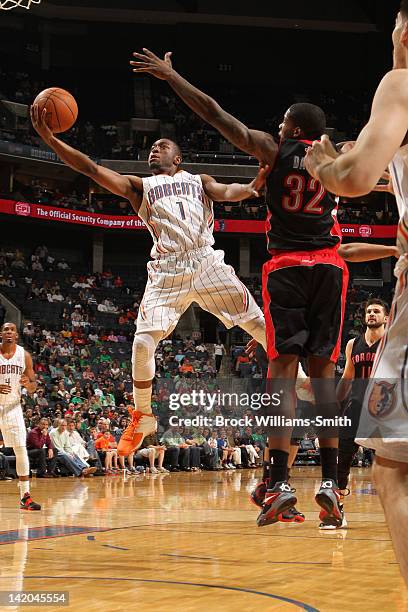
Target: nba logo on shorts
365, 231
23, 209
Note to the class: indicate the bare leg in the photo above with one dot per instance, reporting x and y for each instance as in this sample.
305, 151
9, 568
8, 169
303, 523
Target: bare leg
152, 457
130, 460
391, 481
160, 457
283, 368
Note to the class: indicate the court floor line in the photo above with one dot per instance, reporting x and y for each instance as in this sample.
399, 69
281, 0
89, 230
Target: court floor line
299, 604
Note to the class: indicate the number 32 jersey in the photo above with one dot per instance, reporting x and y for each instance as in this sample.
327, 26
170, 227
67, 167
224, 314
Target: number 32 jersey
302, 215
177, 213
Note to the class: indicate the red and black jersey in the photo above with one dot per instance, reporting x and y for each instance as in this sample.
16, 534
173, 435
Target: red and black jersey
362, 357
302, 215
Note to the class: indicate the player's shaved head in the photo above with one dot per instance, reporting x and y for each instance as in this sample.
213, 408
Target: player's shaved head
404, 8
175, 146
309, 118
165, 157
9, 324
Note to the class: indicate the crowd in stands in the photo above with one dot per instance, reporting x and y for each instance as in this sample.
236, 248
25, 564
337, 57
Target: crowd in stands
83, 368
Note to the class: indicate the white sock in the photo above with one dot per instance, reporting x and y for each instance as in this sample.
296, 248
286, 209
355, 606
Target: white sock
143, 399
24, 486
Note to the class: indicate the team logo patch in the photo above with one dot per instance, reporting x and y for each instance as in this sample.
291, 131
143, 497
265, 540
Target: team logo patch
382, 399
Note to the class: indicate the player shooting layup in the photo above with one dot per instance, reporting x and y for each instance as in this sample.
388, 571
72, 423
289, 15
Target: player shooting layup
16, 370
383, 142
176, 207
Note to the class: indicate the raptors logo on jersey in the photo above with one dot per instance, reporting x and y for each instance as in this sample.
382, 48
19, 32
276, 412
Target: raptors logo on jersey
11, 371
177, 212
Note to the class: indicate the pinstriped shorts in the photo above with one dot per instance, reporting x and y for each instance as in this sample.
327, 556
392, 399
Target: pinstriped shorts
12, 426
384, 421
200, 276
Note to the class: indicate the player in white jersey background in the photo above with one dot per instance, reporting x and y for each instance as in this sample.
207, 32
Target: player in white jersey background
16, 370
381, 144
176, 207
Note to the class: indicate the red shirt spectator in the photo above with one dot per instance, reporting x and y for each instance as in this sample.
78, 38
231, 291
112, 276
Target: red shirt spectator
37, 439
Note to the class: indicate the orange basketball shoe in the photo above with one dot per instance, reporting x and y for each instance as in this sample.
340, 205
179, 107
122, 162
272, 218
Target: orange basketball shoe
141, 425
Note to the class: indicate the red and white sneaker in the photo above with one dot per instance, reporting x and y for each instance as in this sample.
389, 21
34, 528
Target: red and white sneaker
28, 504
141, 425
276, 501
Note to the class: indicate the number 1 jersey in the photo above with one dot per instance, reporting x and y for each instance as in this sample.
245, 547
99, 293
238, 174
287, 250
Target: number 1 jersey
177, 213
302, 215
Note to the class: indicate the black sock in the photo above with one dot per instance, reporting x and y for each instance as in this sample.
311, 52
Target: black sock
328, 459
278, 466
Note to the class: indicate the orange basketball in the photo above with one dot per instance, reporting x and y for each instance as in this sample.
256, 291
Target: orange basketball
62, 109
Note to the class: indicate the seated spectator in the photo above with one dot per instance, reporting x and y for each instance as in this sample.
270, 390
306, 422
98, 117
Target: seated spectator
186, 367
65, 454
177, 451
87, 374
62, 265
225, 451
209, 456
78, 443
152, 450
41, 451
108, 452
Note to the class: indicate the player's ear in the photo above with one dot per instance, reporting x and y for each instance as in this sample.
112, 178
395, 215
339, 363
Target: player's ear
404, 35
297, 132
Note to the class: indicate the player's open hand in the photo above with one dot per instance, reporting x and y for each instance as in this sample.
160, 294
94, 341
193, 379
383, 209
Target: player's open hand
38, 119
5, 389
318, 155
149, 62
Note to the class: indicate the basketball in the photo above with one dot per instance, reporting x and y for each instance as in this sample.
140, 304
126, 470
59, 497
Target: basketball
62, 109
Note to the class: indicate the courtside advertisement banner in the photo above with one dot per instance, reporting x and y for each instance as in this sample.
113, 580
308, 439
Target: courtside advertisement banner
132, 222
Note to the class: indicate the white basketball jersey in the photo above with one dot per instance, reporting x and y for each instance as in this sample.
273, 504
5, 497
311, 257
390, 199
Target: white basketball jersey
177, 212
11, 371
399, 173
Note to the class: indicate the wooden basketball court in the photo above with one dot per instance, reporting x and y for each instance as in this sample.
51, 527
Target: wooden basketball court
190, 542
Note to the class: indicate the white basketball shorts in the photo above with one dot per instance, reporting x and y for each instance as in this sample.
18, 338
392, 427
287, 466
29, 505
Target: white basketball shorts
200, 276
12, 426
384, 421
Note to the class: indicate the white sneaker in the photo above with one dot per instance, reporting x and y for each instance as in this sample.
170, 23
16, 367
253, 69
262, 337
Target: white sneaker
154, 470
163, 470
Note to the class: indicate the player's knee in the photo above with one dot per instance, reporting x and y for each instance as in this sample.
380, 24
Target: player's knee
22, 462
257, 329
144, 347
